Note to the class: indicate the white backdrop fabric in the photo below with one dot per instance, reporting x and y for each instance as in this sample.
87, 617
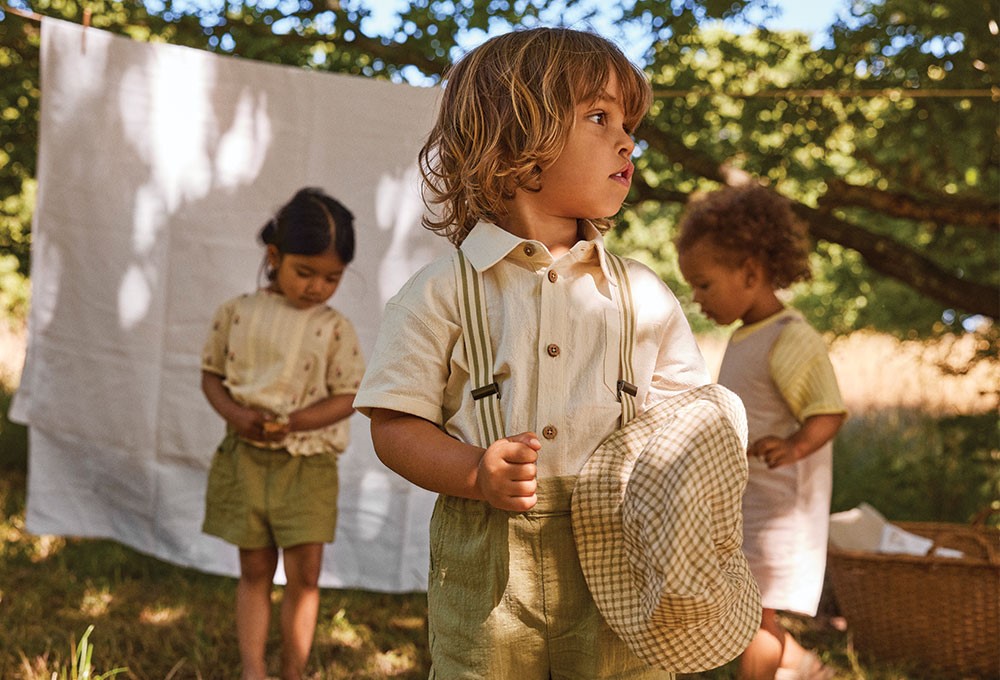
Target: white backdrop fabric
157, 166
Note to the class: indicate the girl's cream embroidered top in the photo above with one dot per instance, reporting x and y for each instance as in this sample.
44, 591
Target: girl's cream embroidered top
280, 359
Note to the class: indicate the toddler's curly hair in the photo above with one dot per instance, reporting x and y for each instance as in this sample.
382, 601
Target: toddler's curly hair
750, 221
505, 114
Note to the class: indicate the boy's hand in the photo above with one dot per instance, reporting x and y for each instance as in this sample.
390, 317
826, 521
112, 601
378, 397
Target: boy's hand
507, 472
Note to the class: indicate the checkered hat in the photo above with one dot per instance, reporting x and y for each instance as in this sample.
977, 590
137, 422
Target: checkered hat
657, 523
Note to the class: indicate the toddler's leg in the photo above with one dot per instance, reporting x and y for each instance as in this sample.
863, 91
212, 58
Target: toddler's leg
253, 608
761, 659
299, 607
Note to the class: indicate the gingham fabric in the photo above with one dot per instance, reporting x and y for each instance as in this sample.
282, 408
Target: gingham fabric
657, 523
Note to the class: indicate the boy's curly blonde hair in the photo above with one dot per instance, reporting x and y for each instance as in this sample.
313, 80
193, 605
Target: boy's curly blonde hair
750, 221
505, 114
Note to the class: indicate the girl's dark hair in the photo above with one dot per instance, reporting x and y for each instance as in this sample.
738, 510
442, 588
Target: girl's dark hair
309, 224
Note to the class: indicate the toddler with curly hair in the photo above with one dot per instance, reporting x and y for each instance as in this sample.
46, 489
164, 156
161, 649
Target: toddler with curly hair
738, 247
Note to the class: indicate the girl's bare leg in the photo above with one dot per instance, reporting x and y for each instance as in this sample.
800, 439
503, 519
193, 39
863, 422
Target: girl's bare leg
299, 607
253, 608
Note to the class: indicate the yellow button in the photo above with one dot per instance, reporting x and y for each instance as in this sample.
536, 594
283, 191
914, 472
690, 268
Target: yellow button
553, 350
553, 276
529, 249
549, 432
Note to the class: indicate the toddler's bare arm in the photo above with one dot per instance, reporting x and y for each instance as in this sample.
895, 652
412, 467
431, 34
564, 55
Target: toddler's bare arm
815, 431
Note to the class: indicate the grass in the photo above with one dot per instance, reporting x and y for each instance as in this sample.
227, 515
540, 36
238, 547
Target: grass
163, 621
160, 621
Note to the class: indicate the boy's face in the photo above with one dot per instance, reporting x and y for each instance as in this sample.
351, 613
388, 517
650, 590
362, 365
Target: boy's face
592, 175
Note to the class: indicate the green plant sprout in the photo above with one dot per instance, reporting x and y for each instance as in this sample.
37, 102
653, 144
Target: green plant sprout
81, 668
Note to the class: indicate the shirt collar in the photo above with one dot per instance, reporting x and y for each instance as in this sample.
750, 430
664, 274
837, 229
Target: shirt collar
487, 244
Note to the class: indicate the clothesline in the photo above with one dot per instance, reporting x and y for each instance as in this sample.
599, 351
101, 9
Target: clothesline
891, 92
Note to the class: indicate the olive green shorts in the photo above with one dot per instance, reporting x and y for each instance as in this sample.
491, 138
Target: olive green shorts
261, 498
507, 598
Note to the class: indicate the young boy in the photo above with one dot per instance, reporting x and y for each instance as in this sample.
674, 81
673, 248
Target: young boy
528, 160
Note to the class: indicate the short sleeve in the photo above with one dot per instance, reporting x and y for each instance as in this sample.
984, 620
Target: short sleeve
409, 367
345, 366
803, 373
213, 356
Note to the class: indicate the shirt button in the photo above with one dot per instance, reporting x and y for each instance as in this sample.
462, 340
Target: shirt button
553, 350
549, 432
529, 249
553, 276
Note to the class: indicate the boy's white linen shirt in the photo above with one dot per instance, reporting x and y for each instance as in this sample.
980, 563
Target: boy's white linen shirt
555, 332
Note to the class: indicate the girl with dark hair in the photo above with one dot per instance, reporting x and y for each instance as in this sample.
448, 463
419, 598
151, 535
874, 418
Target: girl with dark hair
282, 369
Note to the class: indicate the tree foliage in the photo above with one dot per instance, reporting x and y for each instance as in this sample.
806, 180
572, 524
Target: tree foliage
885, 137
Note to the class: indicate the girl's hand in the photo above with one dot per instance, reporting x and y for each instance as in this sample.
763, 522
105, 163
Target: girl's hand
774, 451
507, 473
257, 425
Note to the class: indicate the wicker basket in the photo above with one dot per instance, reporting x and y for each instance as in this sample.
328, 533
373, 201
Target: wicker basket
936, 613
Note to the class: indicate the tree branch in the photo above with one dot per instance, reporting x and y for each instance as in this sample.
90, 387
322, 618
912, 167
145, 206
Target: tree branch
883, 254
892, 258
694, 161
943, 209
641, 191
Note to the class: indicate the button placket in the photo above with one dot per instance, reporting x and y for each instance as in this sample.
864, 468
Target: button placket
552, 337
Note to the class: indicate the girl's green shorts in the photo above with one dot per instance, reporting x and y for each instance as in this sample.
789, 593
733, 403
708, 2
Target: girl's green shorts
261, 498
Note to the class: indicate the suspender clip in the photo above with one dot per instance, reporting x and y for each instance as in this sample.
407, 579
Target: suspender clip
487, 390
626, 387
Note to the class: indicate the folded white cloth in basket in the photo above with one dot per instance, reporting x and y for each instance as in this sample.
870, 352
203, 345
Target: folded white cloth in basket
864, 528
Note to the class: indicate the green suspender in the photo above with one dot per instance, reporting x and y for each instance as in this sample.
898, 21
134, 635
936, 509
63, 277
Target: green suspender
476, 334
626, 312
476, 331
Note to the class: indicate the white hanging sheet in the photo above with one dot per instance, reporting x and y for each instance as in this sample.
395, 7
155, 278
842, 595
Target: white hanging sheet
157, 166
